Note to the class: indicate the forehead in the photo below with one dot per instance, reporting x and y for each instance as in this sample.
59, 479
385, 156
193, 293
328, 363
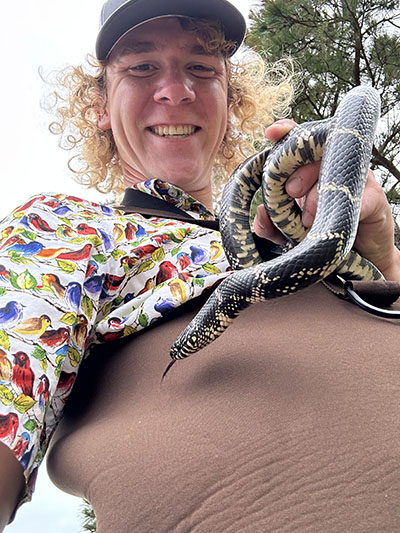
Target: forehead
156, 35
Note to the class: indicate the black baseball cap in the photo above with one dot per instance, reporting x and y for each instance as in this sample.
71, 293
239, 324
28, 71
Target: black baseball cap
120, 16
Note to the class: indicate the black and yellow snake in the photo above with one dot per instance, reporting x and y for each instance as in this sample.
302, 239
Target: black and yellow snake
346, 144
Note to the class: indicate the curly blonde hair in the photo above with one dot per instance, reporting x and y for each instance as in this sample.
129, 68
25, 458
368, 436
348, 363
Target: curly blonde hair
257, 95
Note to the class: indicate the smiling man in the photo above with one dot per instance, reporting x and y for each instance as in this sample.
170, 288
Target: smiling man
163, 110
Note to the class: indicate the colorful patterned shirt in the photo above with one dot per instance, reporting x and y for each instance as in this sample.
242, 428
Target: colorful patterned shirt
74, 273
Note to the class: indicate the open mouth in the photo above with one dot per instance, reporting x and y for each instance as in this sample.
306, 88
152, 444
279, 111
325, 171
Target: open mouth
174, 132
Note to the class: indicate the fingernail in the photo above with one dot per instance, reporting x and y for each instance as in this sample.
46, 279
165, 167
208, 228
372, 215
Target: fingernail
295, 187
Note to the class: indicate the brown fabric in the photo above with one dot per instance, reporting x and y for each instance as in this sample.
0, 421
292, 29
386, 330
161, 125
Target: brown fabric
288, 422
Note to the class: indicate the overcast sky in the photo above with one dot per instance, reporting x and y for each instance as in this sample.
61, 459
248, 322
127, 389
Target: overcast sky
46, 34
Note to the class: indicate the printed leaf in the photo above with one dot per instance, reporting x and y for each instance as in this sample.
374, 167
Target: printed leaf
100, 258
74, 356
23, 403
3, 291
211, 269
87, 306
67, 266
25, 233
177, 235
175, 251
96, 241
39, 353
30, 425
13, 279
116, 254
4, 340
6, 396
143, 319
26, 281
69, 318
147, 265
128, 330
43, 364
158, 255
18, 259
77, 240
198, 281
66, 221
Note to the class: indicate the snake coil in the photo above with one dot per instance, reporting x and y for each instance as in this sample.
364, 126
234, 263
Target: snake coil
345, 144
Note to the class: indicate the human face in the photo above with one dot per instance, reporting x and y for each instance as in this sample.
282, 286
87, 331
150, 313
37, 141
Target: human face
167, 106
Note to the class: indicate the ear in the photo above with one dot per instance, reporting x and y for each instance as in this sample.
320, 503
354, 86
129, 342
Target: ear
103, 117
103, 120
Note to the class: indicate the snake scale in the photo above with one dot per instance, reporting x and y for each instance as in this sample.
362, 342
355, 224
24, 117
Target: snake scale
344, 143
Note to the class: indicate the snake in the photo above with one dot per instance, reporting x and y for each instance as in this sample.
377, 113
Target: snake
343, 144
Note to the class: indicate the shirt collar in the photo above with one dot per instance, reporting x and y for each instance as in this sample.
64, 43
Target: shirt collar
175, 196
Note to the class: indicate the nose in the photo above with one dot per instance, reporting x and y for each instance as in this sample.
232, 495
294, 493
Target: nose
174, 88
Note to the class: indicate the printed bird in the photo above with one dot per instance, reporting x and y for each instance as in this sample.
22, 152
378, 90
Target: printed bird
147, 286
77, 255
183, 260
28, 204
94, 285
130, 231
62, 210
53, 282
26, 458
21, 445
23, 376
141, 251
27, 250
14, 239
79, 332
64, 385
10, 314
34, 326
166, 271
4, 274
118, 232
91, 268
140, 232
54, 338
107, 240
112, 282
51, 253
72, 295
216, 250
161, 238
5, 368
6, 232
8, 428
164, 306
198, 254
84, 229
39, 223
128, 263
65, 232
42, 392
106, 210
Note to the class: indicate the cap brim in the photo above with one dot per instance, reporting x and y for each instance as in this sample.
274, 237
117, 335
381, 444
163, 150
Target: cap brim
131, 14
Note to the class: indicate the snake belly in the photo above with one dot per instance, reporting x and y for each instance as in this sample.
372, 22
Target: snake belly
345, 145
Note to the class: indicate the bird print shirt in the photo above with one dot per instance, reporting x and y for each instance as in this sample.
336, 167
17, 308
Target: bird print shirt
74, 273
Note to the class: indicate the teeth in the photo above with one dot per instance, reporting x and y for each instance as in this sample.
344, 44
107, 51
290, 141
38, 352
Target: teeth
171, 131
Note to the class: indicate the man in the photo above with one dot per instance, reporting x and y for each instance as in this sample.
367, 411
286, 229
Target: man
165, 104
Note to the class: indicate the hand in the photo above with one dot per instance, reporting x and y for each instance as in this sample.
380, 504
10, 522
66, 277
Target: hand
375, 235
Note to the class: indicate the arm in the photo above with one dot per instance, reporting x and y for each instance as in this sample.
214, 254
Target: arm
11, 484
375, 237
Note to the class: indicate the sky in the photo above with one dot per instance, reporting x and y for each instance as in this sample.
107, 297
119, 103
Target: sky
46, 35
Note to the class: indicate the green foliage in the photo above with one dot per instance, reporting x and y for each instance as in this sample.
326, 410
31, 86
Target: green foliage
89, 518
337, 45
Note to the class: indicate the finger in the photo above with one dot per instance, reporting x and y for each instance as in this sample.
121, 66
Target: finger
278, 129
264, 228
303, 180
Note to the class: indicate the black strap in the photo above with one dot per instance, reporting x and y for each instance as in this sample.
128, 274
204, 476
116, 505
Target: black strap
136, 201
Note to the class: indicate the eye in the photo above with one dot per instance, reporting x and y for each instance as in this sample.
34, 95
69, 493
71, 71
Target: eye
142, 70
202, 71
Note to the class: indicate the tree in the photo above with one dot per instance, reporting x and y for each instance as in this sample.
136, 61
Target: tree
339, 44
